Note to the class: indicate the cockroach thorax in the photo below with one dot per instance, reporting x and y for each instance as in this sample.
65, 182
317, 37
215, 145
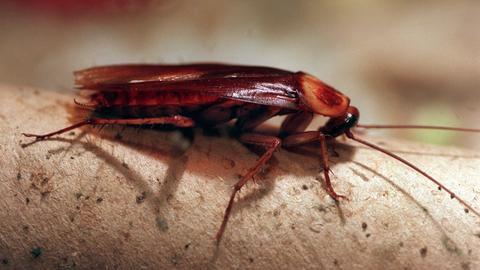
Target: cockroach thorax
321, 98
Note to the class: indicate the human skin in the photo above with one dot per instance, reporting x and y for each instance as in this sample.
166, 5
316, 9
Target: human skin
132, 198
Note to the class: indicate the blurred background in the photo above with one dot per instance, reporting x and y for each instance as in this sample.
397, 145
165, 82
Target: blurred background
415, 62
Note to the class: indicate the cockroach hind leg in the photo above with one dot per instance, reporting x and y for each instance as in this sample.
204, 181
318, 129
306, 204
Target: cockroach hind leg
177, 120
36, 136
40, 137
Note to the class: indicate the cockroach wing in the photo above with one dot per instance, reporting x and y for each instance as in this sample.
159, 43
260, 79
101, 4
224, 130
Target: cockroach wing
118, 74
175, 86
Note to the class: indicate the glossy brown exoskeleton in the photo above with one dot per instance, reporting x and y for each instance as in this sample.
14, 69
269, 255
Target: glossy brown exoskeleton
213, 94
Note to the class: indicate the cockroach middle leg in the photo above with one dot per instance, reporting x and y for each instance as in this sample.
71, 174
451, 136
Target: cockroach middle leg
296, 123
306, 137
270, 143
176, 120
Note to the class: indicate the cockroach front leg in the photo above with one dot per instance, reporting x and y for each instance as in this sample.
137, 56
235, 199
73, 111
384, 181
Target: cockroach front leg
177, 120
296, 123
298, 139
270, 143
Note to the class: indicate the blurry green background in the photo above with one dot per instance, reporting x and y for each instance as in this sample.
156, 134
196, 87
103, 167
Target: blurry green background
400, 61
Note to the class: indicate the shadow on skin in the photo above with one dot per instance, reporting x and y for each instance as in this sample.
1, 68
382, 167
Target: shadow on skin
156, 201
161, 146
158, 145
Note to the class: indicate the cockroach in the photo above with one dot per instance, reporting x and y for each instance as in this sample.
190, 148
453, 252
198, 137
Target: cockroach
208, 95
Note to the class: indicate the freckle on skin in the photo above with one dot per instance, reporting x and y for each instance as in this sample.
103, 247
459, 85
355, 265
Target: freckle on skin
423, 252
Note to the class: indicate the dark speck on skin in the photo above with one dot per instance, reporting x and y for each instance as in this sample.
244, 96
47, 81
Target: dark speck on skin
450, 245
141, 198
175, 259
364, 226
161, 224
321, 208
423, 252
466, 266
36, 252
78, 195
5, 261
99, 199
304, 187
367, 235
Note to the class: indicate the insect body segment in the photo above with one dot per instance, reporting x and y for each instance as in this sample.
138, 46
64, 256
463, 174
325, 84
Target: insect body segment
321, 98
212, 94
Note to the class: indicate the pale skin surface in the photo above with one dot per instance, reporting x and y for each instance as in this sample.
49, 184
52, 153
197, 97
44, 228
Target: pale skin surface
147, 200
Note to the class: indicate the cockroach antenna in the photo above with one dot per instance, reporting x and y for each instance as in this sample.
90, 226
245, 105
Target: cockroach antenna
350, 135
418, 127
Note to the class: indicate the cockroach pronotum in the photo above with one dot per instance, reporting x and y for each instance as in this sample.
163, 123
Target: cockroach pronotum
208, 95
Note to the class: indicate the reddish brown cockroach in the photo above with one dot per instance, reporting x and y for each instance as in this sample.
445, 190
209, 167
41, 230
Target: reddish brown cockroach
212, 94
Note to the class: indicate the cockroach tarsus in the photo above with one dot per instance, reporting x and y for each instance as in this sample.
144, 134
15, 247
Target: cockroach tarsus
208, 95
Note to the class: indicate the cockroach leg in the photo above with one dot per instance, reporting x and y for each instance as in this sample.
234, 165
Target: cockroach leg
177, 120
326, 169
219, 113
255, 118
295, 123
63, 130
308, 137
270, 143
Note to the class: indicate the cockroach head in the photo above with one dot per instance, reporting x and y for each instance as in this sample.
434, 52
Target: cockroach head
337, 126
321, 98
